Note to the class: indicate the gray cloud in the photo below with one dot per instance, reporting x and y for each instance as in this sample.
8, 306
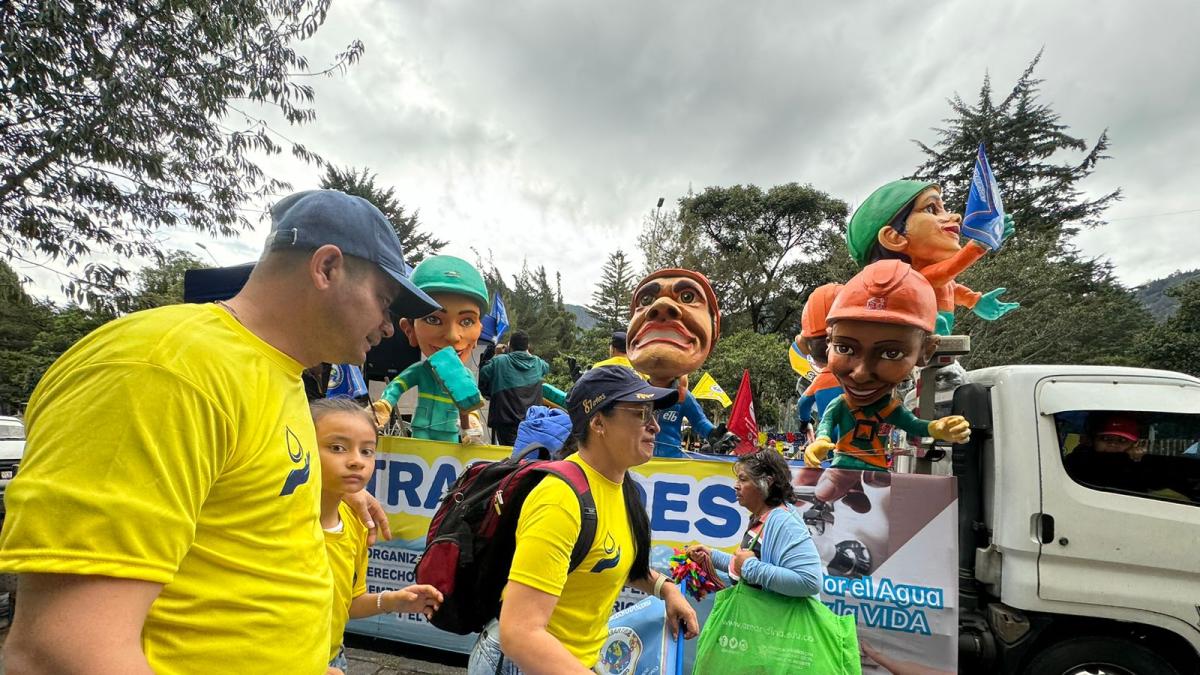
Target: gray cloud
546, 131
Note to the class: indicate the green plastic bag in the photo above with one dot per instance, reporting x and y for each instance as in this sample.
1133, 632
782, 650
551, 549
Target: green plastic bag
759, 632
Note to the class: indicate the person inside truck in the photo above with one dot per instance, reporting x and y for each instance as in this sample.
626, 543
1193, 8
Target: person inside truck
1107, 455
1112, 455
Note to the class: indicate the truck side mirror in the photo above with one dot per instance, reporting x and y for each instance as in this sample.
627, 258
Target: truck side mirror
974, 402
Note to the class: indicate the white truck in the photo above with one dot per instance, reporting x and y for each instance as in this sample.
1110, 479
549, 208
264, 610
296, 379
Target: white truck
1077, 564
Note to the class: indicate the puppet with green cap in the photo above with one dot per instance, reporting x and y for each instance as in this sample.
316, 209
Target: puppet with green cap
447, 339
907, 220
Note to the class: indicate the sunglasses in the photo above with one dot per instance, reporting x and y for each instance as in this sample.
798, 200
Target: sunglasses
645, 413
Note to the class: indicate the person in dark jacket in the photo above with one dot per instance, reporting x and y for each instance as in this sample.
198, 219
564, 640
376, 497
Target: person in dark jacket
513, 383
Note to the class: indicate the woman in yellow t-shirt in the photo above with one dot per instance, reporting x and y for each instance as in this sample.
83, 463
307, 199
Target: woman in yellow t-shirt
553, 620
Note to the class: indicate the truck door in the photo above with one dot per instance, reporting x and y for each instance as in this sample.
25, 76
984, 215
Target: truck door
1120, 493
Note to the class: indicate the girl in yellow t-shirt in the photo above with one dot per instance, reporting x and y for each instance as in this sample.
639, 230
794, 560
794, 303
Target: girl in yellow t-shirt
346, 435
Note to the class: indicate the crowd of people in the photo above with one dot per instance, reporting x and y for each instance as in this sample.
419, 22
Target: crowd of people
168, 518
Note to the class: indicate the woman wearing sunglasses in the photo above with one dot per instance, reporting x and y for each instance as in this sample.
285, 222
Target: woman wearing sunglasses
555, 620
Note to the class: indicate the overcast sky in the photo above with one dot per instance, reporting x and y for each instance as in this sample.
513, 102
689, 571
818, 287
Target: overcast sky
546, 131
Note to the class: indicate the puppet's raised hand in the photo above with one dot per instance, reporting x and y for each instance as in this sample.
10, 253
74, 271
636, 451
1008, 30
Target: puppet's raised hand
989, 306
383, 412
954, 428
816, 451
1009, 229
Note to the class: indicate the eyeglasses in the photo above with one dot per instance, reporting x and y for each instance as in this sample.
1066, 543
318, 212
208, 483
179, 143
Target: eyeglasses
645, 413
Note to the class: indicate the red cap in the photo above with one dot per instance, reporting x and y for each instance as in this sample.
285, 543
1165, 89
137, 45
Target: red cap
1119, 425
816, 308
887, 291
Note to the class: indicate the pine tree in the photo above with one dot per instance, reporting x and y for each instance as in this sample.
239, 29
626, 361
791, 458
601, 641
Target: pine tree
614, 291
1073, 309
1022, 136
1175, 343
361, 183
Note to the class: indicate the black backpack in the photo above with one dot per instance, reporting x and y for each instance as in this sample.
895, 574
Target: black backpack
472, 537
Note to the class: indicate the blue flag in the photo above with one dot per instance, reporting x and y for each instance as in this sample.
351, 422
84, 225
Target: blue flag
346, 380
984, 219
495, 322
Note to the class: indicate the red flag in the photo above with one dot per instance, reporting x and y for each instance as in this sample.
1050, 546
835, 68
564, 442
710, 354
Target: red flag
741, 418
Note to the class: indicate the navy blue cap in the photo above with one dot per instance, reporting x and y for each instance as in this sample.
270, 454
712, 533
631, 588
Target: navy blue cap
601, 387
618, 341
311, 219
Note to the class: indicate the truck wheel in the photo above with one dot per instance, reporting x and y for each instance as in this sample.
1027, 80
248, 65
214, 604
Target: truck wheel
1099, 656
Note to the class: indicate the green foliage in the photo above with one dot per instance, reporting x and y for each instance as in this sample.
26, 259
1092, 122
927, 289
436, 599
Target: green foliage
1073, 309
361, 183
1175, 343
1024, 137
536, 308
665, 242
614, 293
1155, 297
120, 120
32, 335
771, 379
766, 246
162, 284
764, 251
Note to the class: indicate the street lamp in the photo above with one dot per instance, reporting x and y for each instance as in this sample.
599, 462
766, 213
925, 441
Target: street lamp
200, 245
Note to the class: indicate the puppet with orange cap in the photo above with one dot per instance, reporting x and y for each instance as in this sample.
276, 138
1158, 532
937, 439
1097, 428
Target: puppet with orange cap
881, 326
813, 343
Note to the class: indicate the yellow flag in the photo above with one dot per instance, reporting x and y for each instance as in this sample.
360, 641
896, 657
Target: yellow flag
708, 388
799, 363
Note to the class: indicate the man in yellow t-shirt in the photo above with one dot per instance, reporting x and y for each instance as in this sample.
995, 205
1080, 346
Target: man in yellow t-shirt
617, 355
166, 515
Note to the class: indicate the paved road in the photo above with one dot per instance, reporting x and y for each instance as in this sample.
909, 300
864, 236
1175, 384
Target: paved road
371, 656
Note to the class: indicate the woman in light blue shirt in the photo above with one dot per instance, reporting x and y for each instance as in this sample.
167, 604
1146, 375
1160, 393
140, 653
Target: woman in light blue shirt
777, 552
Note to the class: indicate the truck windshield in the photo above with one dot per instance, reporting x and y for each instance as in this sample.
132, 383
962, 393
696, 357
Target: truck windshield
11, 432
1146, 454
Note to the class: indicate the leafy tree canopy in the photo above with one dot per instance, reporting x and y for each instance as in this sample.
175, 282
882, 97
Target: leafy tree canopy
124, 119
361, 183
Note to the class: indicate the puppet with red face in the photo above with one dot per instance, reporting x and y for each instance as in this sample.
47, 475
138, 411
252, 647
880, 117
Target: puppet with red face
674, 323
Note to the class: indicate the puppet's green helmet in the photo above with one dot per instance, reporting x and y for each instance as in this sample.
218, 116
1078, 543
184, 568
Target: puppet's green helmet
447, 274
877, 212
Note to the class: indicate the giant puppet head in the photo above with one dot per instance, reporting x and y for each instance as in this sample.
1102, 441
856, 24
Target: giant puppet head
459, 288
813, 339
906, 220
674, 323
880, 327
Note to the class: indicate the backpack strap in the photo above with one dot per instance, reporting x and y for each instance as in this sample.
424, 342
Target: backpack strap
572, 474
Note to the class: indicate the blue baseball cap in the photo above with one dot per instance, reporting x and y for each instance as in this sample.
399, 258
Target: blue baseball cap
601, 387
314, 218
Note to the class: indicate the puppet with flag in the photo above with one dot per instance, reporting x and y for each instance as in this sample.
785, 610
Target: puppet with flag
741, 419
907, 220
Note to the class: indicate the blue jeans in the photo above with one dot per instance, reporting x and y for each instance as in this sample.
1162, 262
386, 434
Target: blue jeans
486, 654
340, 661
